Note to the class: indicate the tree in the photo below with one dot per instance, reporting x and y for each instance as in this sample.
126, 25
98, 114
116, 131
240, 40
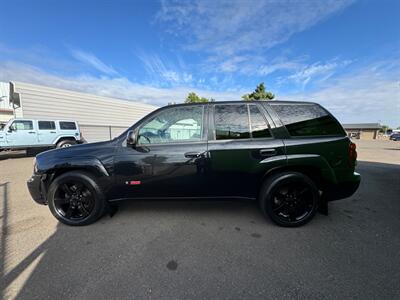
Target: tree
384, 128
194, 98
259, 94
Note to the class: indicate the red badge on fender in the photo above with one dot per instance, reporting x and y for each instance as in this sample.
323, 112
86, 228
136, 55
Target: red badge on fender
133, 182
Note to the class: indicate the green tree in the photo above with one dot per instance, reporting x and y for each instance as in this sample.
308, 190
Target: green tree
259, 94
194, 98
384, 128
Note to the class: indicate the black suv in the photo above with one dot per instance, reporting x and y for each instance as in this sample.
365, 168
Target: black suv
292, 157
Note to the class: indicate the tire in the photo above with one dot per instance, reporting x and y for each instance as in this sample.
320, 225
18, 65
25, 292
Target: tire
65, 143
76, 199
289, 199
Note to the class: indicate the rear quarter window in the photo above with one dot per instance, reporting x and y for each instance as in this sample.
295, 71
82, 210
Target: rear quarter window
307, 120
67, 125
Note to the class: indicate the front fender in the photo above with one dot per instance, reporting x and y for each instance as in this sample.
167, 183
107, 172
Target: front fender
50, 165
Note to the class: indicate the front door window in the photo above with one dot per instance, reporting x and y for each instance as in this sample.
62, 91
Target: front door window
173, 125
22, 125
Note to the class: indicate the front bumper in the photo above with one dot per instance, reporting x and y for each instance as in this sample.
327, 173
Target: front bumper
36, 188
343, 189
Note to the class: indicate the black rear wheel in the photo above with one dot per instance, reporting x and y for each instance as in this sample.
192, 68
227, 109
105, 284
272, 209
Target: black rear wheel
75, 199
290, 199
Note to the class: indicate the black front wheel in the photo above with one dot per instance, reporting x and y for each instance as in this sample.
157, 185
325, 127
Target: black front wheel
290, 199
75, 199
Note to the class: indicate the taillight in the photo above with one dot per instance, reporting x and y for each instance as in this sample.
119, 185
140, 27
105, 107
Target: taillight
352, 153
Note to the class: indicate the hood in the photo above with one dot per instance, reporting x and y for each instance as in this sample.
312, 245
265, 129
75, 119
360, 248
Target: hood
89, 149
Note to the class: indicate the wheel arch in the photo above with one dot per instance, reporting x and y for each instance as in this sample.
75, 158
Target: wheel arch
314, 166
90, 165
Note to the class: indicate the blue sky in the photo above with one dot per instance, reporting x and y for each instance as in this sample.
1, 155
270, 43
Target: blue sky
342, 54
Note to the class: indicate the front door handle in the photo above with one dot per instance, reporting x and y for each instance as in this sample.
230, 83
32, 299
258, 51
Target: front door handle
268, 152
31, 132
192, 154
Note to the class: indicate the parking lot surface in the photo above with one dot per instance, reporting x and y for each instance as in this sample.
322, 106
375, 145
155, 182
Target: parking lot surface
210, 250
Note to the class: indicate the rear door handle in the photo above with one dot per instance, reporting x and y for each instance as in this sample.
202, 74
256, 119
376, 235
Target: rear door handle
192, 154
268, 152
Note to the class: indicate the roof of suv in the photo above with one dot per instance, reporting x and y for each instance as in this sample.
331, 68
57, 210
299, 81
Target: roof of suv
243, 101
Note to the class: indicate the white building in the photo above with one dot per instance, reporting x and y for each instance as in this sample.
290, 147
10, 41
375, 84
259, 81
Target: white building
6, 108
100, 118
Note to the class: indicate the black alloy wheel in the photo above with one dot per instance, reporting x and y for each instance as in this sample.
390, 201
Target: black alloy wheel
74, 201
292, 202
75, 198
290, 199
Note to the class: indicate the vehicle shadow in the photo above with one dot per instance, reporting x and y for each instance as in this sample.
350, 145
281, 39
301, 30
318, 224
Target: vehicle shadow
158, 248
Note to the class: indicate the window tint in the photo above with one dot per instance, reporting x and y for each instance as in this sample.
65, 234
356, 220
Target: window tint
22, 125
46, 125
259, 126
67, 125
176, 124
307, 120
231, 122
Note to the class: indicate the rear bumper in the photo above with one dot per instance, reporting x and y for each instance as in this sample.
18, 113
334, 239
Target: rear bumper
35, 187
343, 189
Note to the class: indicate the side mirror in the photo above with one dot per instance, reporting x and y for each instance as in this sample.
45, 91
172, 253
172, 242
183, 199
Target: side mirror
11, 129
131, 138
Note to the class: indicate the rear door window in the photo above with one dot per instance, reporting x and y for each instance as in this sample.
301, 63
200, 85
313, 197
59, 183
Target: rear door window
46, 125
259, 125
231, 121
307, 120
67, 125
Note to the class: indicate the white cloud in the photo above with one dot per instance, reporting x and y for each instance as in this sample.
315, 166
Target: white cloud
160, 71
117, 87
234, 34
229, 27
267, 69
371, 94
318, 69
91, 60
232, 64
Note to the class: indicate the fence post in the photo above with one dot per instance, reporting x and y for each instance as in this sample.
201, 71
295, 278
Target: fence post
109, 131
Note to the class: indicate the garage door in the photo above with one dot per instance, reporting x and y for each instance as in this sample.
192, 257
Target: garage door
97, 133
